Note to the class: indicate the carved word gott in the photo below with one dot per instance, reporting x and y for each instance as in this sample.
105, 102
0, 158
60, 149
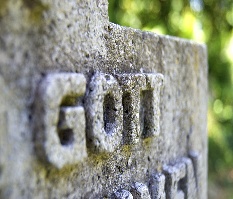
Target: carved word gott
108, 111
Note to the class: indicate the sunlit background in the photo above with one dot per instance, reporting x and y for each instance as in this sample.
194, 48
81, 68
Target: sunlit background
210, 22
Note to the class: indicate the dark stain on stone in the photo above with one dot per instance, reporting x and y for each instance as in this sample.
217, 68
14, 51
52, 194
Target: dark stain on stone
1, 170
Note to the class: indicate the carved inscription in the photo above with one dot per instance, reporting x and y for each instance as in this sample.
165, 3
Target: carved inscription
122, 194
61, 123
157, 186
132, 84
141, 105
177, 181
115, 110
109, 111
140, 191
104, 113
174, 180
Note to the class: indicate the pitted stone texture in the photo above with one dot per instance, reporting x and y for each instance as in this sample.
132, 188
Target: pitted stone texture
132, 85
141, 97
61, 140
150, 111
50, 35
122, 194
104, 113
140, 191
157, 186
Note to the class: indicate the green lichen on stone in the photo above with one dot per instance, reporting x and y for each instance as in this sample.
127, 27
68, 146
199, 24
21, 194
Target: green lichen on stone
36, 9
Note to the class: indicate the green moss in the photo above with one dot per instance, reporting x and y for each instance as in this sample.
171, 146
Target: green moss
3, 7
36, 9
69, 101
127, 150
99, 158
147, 141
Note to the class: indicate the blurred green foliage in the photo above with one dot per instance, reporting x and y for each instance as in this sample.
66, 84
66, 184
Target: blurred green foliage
208, 21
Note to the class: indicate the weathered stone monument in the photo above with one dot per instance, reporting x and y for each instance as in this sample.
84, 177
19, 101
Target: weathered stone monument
90, 109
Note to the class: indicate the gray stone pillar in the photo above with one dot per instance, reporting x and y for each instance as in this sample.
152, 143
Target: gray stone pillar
90, 109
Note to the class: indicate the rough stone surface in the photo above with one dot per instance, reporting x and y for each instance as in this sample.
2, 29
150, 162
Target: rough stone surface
174, 176
43, 39
122, 194
104, 113
59, 127
157, 186
140, 191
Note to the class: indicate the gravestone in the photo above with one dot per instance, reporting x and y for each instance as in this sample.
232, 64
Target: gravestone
90, 109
